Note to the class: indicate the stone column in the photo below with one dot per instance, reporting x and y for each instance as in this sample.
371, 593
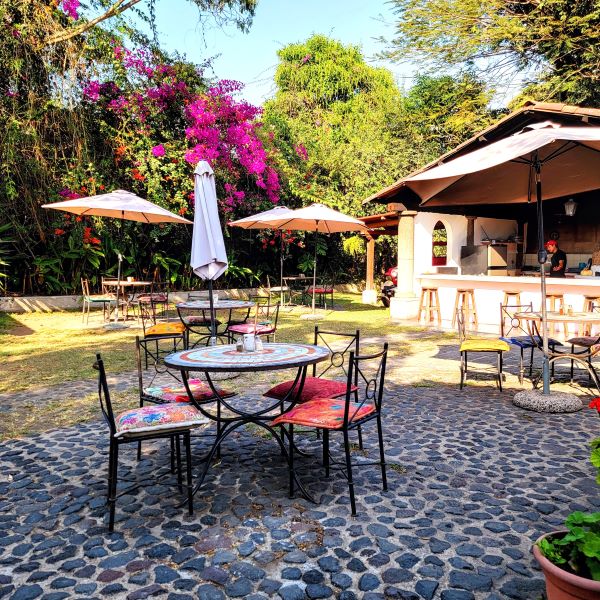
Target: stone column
471, 231
405, 303
369, 296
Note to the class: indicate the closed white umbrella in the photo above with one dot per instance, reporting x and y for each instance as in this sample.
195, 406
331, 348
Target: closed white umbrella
320, 219
257, 221
118, 204
209, 258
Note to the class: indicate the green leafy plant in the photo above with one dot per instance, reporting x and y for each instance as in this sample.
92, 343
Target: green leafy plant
578, 550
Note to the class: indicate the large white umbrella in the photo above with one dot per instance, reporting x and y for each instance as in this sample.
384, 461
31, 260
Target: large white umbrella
257, 222
118, 204
209, 258
320, 219
507, 171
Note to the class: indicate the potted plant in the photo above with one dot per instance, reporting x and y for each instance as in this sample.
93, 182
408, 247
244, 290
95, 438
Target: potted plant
570, 559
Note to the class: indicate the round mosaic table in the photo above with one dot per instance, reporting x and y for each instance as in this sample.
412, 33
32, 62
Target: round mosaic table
218, 305
228, 417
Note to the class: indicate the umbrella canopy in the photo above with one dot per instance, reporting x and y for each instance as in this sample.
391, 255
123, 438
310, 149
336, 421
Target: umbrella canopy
566, 160
503, 172
209, 258
318, 218
118, 204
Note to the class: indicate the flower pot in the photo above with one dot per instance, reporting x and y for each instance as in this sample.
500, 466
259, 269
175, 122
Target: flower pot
562, 585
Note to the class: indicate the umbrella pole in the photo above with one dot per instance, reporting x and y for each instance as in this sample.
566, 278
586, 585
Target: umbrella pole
281, 292
542, 257
120, 260
213, 325
315, 269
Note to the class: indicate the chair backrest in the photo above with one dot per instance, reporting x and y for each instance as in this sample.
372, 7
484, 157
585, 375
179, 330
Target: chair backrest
339, 345
507, 313
104, 395
366, 372
147, 312
149, 347
85, 287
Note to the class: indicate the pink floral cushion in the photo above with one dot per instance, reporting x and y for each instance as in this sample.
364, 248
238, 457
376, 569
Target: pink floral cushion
324, 413
200, 389
314, 387
261, 329
157, 418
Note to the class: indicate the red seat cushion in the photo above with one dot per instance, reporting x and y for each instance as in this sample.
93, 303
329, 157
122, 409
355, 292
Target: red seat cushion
314, 387
320, 290
177, 393
324, 413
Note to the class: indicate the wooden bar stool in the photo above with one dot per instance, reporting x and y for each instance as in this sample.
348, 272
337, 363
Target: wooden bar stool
556, 302
465, 301
511, 298
429, 306
589, 302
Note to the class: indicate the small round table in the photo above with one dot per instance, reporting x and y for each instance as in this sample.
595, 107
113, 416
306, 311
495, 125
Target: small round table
203, 306
215, 359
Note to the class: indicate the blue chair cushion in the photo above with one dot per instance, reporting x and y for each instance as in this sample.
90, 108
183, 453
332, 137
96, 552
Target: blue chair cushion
525, 341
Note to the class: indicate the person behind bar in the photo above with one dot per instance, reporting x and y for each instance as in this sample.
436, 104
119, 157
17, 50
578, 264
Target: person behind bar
558, 262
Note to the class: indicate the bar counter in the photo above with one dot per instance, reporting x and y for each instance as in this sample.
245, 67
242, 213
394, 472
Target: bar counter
489, 293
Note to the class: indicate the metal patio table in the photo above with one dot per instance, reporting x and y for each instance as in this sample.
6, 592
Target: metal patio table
225, 358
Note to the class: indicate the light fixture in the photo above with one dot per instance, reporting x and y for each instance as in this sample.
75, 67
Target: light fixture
570, 207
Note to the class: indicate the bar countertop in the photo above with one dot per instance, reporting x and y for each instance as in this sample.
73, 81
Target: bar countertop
490, 281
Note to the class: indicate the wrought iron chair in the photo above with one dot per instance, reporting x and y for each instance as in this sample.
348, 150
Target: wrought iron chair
477, 344
89, 301
264, 323
157, 298
355, 410
323, 293
517, 335
145, 423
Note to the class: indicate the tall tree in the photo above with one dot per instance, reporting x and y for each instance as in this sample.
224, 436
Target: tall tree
556, 43
339, 124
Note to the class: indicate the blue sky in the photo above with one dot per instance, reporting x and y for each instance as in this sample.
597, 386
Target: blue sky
251, 58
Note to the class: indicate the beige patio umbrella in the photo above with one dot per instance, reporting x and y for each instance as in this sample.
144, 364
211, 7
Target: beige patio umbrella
510, 171
118, 204
320, 219
257, 222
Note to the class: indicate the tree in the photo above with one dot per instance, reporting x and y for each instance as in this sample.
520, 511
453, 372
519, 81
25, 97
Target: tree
339, 124
555, 42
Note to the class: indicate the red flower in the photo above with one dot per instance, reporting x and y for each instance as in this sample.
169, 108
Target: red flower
137, 175
595, 403
95, 241
79, 219
59, 231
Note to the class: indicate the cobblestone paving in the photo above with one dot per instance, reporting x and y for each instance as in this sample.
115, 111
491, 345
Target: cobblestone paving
472, 482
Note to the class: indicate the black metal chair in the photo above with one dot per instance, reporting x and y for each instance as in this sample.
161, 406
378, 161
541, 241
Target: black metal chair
89, 301
263, 323
145, 423
517, 335
356, 409
477, 344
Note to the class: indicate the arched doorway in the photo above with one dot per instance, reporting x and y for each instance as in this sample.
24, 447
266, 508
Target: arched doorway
439, 245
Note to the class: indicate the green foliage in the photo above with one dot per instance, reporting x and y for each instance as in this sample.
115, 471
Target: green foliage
578, 551
555, 43
354, 246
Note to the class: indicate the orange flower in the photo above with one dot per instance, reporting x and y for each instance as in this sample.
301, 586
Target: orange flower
58, 231
137, 175
101, 187
79, 219
95, 241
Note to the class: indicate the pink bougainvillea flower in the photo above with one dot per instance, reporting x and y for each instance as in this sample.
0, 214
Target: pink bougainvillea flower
70, 8
158, 151
595, 403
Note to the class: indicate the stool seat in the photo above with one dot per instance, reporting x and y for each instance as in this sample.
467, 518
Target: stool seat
465, 301
512, 298
429, 306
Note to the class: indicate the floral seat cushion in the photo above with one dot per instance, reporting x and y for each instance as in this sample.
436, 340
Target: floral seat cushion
158, 418
260, 329
166, 329
314, 387
156, 297
483, 345
177, 393
324, 413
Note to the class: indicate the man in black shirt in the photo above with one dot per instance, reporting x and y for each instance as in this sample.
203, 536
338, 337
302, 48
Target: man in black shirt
558, 262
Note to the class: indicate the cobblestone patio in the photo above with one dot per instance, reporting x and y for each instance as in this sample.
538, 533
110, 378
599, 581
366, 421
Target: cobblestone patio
473, 481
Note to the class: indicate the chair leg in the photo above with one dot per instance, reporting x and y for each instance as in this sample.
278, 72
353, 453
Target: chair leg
360, 439
178, 458
326, 451
139, 451
463, 368
521, 368
112, 494
381, 453
172, 454
531, 362
572, 362
291, 460
500, 370
349, 472
188, 471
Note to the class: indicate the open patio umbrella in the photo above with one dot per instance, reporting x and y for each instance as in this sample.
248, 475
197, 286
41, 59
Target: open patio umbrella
118, 204
507, 171
209, 258
256, 222
320, 219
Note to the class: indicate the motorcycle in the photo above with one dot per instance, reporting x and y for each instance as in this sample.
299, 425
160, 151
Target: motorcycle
389, 286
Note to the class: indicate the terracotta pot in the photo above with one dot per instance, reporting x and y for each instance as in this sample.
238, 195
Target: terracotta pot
562, 585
